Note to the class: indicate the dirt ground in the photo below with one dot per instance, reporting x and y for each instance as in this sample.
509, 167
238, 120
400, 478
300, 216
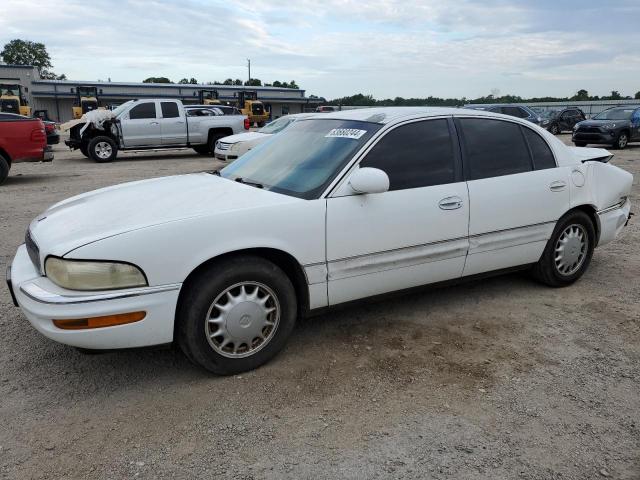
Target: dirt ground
500, 378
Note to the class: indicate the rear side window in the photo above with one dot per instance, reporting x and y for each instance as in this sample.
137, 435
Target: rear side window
169, 109
143, 110
542, 155
416, 155
493, 148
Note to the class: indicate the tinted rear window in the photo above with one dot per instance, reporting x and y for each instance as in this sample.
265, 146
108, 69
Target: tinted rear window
493, 148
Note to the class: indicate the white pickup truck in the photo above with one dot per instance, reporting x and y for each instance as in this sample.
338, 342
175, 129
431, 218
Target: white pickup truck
149, 124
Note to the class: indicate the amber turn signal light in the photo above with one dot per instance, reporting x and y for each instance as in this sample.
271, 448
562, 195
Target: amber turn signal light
99, 322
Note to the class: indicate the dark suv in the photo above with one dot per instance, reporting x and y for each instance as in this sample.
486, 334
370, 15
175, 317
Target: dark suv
557, 121
520, 111
616, 127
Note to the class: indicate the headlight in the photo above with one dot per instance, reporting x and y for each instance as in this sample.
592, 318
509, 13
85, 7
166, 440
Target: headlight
87, 275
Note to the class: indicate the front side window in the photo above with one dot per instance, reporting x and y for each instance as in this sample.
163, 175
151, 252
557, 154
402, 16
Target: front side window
419, 154
303, 159
143, 110
169, 110
493, 148
542, 156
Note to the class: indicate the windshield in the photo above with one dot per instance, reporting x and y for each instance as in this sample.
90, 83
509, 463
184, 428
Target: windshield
117, 111
615, 114
302, 160
277, 125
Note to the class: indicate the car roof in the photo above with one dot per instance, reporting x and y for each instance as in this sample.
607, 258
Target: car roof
386, 115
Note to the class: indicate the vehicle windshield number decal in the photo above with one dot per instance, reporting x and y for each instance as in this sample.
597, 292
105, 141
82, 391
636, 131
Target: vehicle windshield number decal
352, 133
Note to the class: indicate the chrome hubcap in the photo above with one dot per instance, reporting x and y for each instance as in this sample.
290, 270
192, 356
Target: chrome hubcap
242, 319
571, 249
103, 149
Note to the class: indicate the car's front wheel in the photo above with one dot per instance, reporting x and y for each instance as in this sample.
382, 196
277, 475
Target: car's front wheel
236, 315
102, 149
621, 141
568, 252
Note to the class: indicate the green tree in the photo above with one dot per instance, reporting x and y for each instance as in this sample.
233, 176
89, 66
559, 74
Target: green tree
253, 82
277, 83
228, 81
25, 52
294, 85
615, 95
637, 96
237, 82
157, 80
183, 81
193, 81
581, 95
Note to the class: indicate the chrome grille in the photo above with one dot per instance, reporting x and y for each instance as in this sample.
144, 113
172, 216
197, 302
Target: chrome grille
224, 146
33, 251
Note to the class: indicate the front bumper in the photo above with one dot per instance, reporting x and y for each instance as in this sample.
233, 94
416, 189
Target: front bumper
594, 137
47, 154
42, 301
612, 220
224, 155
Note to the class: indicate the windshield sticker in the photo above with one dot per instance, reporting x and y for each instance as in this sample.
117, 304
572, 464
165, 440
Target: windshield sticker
352, 133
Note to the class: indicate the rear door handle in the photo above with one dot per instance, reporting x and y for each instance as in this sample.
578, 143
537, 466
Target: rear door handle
450, 203
154, 123
557, 186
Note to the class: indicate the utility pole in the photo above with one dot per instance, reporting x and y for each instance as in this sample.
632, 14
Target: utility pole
249, 67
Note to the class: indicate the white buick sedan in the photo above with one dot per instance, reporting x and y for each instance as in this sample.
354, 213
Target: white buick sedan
338, 207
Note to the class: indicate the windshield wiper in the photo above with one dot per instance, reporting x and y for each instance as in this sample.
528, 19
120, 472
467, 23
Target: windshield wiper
249, 182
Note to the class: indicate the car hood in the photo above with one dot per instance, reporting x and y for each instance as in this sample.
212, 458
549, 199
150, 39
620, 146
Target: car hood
600, 123
244, 137
131, 206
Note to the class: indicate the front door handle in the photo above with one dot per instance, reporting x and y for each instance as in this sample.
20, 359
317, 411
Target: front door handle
450, 203
154, 123
557, 186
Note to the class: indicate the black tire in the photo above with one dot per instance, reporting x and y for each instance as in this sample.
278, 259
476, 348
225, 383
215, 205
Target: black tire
622, 141
580, 144
202, 149
196, 306
554, 129
109, 151
213, 138
547, 270
84, 150
4, 169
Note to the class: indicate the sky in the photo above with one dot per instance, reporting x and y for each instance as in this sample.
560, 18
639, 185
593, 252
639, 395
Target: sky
334, 48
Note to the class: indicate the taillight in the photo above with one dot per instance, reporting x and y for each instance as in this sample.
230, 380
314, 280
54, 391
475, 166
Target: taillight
38, 135
247, 123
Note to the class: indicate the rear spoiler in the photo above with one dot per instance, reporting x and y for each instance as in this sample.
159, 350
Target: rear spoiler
591, 154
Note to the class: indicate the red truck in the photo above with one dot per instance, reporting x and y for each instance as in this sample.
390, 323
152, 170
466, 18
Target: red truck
22, 139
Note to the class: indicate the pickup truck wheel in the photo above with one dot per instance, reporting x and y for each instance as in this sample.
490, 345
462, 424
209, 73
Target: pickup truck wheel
4, 169
568, 252
212, 142
202, 149
102, 149
236, 315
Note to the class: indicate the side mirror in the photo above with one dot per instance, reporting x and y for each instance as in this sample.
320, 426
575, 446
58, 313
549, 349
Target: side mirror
369, 180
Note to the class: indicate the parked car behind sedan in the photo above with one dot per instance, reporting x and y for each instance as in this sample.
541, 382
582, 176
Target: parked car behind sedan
616, 127
336, 207
52, 131
22, 139
518, 111
560, 120
234, 146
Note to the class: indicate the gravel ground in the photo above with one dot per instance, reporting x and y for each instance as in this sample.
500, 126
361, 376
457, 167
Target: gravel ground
499, 378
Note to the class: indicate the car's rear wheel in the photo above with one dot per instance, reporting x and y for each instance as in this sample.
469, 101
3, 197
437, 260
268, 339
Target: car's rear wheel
4, 169
236, 315
622, 141
568, 252
580, 144
554, 129
102, 149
